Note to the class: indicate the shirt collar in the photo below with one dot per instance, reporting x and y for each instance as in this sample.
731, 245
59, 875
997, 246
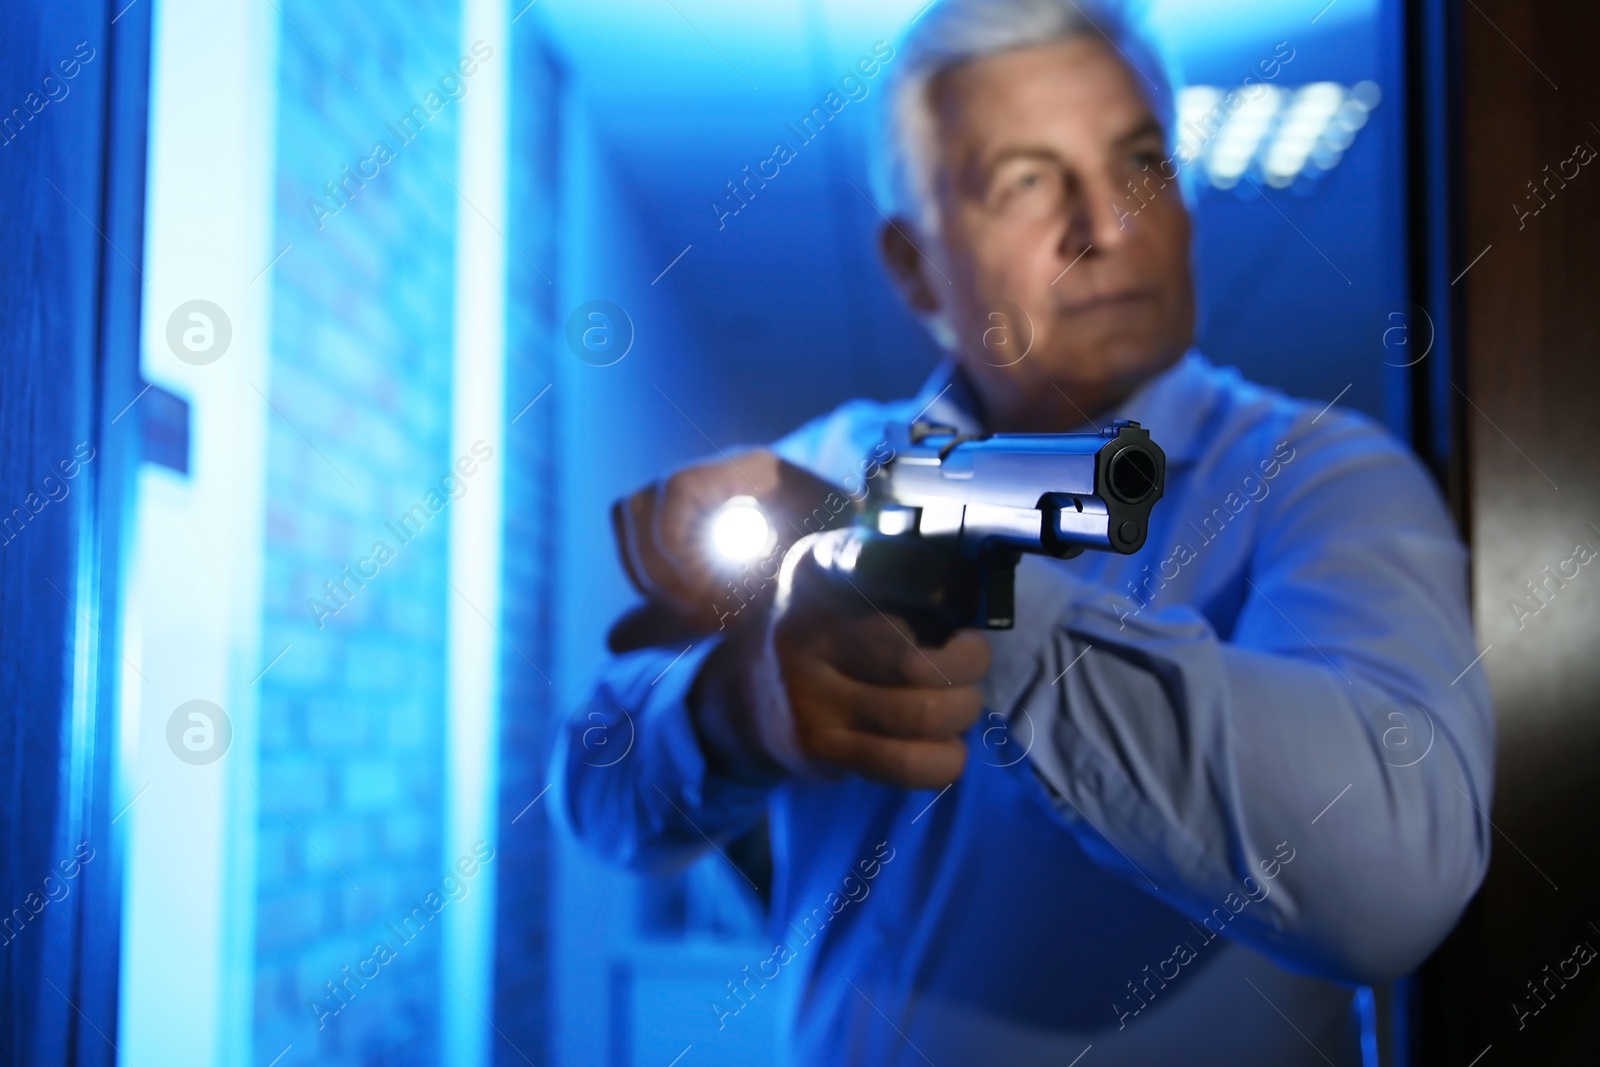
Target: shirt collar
1172, 406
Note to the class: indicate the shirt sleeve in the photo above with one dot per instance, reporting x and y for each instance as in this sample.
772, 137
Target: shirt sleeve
1330, 758
629, 774
628, 769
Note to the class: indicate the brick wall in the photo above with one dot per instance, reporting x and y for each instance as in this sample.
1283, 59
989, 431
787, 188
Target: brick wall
351, 769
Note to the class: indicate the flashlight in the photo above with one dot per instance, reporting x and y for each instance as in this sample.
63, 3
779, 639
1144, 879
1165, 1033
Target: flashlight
740, 531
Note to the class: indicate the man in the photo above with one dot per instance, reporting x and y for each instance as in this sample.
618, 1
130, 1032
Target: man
1198, 795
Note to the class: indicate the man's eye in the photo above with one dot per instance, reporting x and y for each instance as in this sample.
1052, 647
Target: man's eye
1013, 188
1145, 158
1031, 181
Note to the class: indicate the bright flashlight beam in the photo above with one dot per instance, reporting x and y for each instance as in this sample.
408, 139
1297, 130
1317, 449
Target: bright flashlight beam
740, 531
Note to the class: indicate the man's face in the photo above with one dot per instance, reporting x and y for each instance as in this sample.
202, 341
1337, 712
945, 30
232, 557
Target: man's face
1036, 152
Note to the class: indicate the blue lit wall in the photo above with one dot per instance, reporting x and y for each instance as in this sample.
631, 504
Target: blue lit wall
352, 716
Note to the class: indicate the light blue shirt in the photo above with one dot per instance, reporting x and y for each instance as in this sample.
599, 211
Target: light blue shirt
1220, 783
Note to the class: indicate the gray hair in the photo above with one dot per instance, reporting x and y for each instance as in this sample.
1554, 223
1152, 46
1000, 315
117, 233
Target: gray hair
954, 32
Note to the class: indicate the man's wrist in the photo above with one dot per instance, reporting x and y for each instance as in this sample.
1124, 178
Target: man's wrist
724, 703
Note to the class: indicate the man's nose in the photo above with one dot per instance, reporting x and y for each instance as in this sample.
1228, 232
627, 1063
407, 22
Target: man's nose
1099, 220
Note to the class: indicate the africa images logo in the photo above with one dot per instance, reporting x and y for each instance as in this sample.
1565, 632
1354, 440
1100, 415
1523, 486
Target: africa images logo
199, 332
199, 732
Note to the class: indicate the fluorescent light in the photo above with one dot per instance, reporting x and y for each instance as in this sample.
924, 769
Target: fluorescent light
1236, 145
1280, 131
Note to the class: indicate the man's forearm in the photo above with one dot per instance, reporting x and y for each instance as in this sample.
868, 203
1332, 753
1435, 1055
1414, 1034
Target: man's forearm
723, 706
1196, 758
633, 778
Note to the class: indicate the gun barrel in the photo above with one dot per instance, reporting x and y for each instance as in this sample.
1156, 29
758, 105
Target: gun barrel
1056, 494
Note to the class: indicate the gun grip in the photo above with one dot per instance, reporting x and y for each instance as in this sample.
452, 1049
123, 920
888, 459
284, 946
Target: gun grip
992, 581
926, 581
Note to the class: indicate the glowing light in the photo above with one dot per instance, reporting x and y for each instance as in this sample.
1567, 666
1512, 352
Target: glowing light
1275, 133
740, 530
1241, 137
1200, 115
1304, 124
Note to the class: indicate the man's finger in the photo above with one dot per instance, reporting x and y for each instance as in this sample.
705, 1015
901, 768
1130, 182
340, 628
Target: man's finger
685, 568
867, 645
622, 531
913, 713
962, 660
687, 499
634, 522
659, 577
907, 764
881, 649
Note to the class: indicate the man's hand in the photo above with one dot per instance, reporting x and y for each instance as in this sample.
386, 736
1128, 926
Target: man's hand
840, 688
861, 696
662, 530
865, 697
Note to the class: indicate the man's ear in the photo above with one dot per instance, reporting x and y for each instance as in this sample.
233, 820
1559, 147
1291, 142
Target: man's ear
907, 266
